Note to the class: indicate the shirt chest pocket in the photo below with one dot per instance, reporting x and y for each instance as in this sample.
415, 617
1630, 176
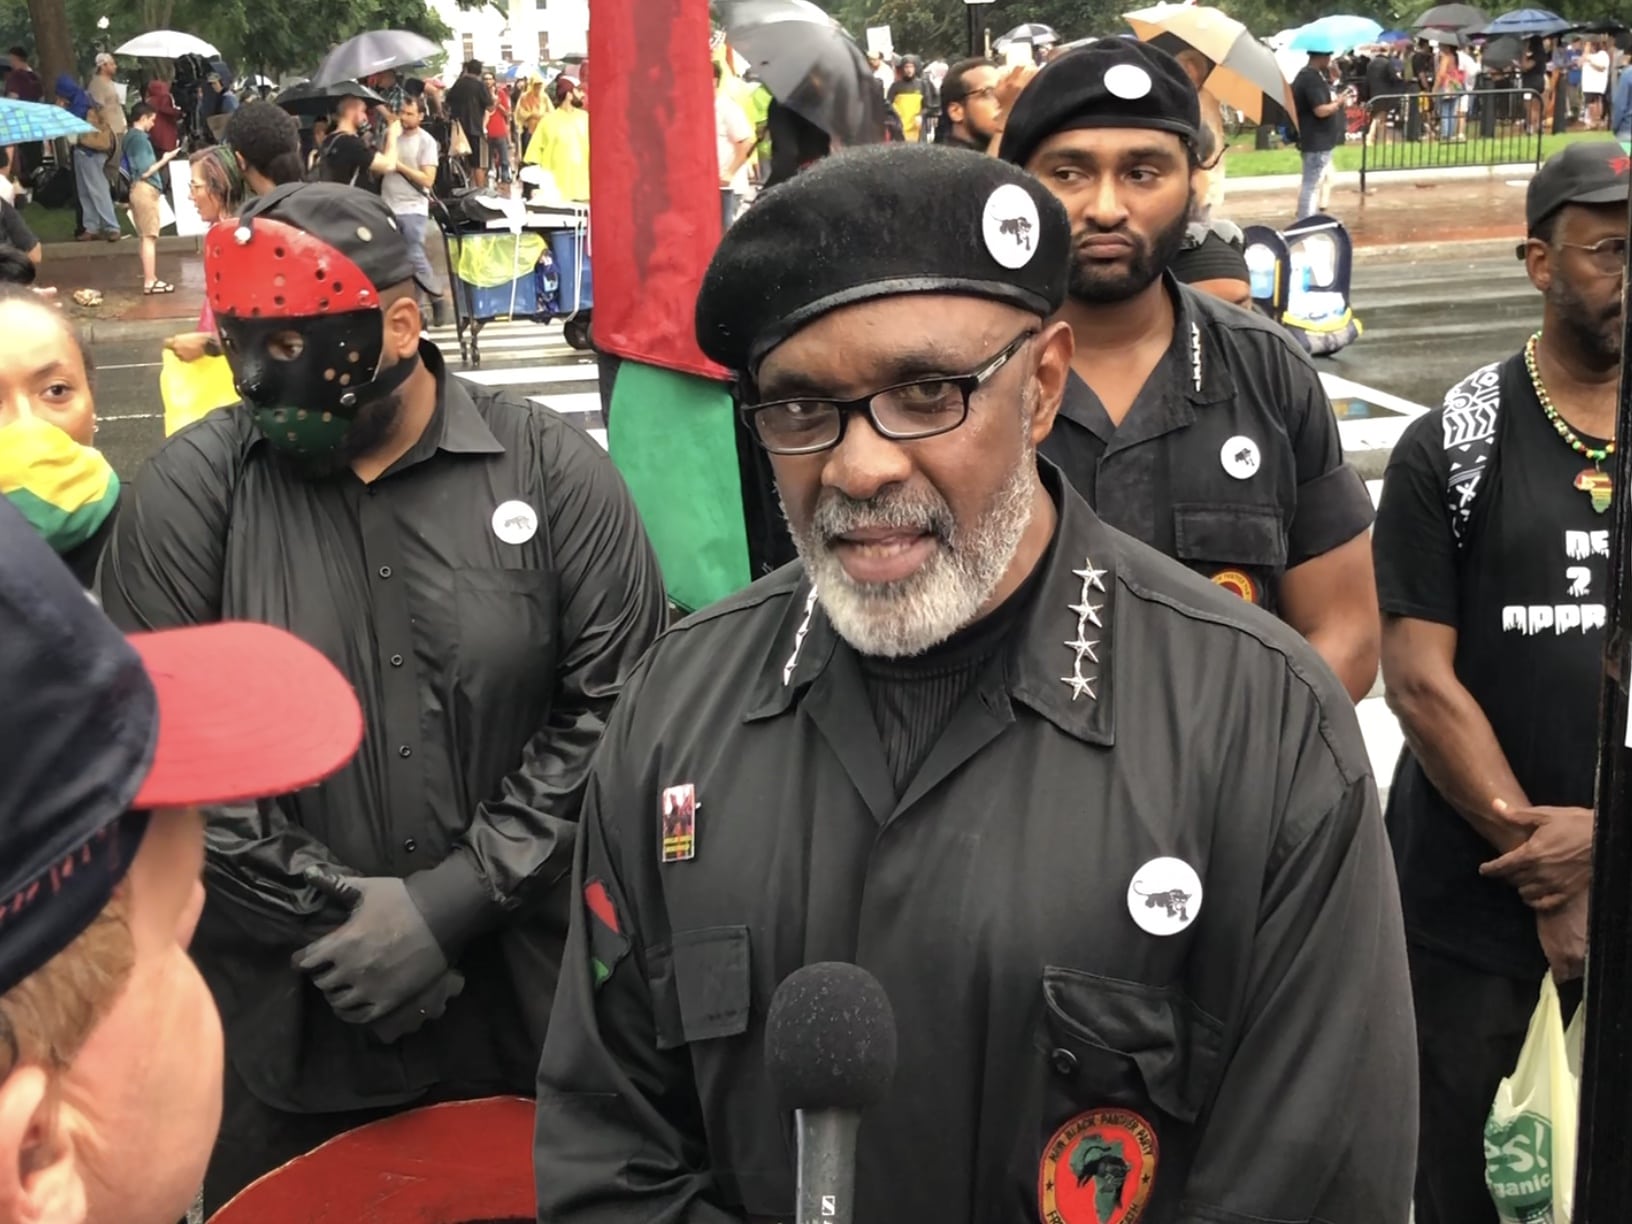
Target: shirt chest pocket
1241, 547
506, 627
1103, 1049
700, 986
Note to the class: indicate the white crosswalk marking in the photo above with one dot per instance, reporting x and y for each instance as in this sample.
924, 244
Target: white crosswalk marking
534, 362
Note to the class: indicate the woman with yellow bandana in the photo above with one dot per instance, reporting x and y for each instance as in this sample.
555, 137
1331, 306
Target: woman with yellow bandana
48, 467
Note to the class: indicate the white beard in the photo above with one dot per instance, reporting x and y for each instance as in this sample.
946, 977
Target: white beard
900, 619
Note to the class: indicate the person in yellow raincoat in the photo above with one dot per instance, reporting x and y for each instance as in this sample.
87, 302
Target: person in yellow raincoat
561, 141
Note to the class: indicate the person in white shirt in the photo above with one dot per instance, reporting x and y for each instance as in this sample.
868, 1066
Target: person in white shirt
405, 189
734, 141
1595, 82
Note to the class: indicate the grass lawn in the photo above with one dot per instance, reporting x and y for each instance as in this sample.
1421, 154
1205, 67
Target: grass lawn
50, 224
1241, 160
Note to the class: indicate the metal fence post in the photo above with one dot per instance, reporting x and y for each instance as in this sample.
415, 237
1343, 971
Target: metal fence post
1365, 150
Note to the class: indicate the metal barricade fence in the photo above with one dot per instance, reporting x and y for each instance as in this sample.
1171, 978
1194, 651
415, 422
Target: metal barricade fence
1481, 127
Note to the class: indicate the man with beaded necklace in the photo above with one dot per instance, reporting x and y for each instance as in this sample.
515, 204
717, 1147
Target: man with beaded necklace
1491, 548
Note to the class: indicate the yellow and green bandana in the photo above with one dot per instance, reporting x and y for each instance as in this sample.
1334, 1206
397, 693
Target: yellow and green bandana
64, 489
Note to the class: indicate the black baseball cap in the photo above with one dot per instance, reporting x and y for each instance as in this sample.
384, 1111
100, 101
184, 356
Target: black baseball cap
1587, 172
99, 730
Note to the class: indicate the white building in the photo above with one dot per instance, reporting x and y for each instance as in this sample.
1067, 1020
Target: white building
534, 30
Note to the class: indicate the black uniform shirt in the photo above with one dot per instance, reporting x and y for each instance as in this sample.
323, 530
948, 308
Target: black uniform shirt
1527, 593
486, 597
1266, 1048
1229, 459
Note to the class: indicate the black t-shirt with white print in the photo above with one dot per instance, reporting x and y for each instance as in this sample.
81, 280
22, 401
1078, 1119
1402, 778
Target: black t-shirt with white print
1528, 595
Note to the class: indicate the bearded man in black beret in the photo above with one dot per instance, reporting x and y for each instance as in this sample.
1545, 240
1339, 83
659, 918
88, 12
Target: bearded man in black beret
1144, 955
1199, 428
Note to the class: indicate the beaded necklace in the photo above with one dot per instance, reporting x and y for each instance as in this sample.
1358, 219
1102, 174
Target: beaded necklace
1592, 481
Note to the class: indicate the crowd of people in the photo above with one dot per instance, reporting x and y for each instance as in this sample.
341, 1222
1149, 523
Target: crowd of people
1048, 722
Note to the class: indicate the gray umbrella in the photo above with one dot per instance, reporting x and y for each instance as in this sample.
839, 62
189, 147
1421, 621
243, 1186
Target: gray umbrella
809, 64
311, 98
373, 52
1452, 17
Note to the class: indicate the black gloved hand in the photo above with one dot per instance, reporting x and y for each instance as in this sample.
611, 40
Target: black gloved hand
380, 957
420, 1010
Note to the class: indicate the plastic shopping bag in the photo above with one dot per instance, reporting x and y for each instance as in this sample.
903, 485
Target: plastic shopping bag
1530, 1136
190, 389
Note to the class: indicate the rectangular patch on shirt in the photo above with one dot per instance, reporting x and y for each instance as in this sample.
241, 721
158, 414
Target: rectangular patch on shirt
607, 943
679, 823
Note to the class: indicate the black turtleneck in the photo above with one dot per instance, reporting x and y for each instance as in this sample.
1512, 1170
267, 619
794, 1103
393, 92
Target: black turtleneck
914, 698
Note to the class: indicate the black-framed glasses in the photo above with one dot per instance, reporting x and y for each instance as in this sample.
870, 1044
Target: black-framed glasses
903, 413
1607, 257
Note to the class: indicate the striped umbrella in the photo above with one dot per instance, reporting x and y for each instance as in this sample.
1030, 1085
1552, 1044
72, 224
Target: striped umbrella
1240, 71
1033, 32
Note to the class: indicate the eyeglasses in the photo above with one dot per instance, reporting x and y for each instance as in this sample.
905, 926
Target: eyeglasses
990, 91
1608, 257
905, 412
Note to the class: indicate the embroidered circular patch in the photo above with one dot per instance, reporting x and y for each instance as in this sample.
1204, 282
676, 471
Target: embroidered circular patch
1098, 1168
1237, 583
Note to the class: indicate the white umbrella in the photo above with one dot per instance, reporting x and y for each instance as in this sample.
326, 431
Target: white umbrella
167, 44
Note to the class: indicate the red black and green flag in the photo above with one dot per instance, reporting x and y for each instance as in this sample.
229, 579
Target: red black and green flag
655, 221
607, 943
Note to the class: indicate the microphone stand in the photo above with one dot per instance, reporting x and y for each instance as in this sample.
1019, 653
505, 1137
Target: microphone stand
1603, 1174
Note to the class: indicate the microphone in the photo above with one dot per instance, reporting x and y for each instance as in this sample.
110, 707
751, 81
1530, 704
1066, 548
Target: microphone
830, 1053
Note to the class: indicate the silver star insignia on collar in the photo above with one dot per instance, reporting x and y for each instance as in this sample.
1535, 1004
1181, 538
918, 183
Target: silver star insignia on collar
1082, 646
1087, 612
1090, 577
1085, 648
1080, 684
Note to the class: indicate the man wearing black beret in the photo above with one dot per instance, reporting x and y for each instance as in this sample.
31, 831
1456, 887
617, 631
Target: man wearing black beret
1198, 428
1144, 954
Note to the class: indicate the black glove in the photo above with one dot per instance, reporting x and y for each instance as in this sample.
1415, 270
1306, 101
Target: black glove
419, 1011
380, 957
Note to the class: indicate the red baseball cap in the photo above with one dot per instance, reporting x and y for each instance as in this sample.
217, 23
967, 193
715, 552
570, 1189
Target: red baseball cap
246, 711
100, 729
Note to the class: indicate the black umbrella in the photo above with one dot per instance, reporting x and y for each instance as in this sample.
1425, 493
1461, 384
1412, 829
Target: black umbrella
1452, 17
1501, 52
1607, 26
809, 65
373, 52
313, 98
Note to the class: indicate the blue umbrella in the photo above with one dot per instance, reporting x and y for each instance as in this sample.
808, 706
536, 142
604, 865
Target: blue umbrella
1526, 22
26, 122
1335, 34
1393, 36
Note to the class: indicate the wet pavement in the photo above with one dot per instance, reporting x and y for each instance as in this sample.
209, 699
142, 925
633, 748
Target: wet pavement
1396, 211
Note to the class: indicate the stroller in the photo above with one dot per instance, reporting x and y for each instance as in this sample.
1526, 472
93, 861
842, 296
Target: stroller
1300, 278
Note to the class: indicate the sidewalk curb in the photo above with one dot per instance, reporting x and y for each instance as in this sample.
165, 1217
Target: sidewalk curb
114, 331
1473, 248
61, 252
1263, 184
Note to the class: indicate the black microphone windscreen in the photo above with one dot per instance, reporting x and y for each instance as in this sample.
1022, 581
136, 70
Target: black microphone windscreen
830, 1038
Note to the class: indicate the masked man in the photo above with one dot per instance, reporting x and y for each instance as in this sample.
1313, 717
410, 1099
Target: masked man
477, 570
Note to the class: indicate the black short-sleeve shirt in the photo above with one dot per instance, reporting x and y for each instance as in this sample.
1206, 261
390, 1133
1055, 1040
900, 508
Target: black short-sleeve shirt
1310, 89
1527, 592
346, 159
14, 230
1229, 459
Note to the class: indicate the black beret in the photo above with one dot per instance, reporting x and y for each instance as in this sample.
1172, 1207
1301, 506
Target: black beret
1211, 256
1115, 83
881, 221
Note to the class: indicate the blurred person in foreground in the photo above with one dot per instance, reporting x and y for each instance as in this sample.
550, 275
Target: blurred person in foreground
1198, 428
1492, 544
1144, 954
476, 567
110, 1046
